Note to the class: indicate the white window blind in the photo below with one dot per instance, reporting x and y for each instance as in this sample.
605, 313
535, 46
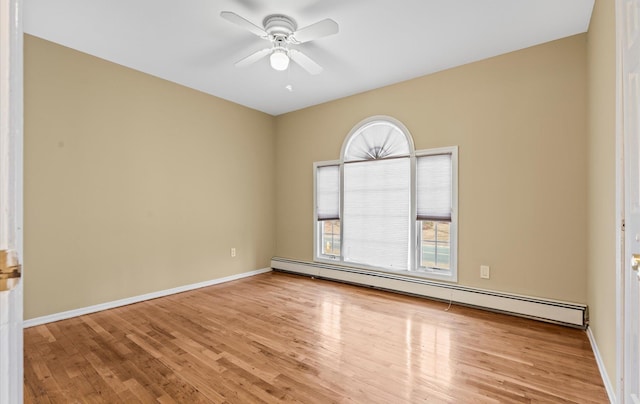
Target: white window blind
375, 141
377, 206
328, 192
434, 187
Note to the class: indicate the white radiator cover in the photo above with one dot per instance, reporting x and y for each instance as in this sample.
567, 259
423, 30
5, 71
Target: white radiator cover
553, 311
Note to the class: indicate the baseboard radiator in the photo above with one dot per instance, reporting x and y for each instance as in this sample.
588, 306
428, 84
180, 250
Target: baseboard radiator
553, 311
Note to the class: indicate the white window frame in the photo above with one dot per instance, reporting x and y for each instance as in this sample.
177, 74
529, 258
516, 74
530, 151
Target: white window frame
450, 275
317, 237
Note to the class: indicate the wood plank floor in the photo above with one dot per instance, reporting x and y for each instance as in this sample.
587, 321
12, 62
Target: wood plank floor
283, 338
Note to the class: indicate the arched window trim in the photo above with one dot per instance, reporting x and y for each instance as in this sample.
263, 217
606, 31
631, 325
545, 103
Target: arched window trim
362, 125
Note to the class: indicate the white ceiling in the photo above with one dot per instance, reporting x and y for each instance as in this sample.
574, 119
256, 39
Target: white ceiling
380, 41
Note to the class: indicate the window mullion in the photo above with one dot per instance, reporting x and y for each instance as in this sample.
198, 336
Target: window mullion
414, 261
342, 221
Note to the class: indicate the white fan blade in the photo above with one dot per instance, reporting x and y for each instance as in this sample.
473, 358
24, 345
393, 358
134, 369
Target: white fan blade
244, 23
254, 57
320, 29
305, 61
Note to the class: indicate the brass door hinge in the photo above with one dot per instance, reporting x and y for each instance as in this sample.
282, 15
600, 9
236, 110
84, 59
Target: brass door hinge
10, 270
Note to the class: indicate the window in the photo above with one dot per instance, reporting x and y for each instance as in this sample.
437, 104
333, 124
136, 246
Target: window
377, 206
327, 196
434, 209
330, 238
385, 206
435, 249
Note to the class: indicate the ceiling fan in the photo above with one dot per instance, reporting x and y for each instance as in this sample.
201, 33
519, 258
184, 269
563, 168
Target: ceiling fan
282, 31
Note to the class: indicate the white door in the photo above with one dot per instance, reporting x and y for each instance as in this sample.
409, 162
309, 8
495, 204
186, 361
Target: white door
11, 371
630, 57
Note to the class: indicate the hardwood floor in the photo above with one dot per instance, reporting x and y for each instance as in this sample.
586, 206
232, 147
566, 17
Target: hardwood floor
283, 338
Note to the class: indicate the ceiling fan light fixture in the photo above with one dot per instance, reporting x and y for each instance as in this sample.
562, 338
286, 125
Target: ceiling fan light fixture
279, 60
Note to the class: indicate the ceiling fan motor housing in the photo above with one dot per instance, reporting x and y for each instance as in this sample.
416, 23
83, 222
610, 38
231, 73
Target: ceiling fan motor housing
279, 25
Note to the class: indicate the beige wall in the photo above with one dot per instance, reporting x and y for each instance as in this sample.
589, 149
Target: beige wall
601, 247
134, 184
520, 123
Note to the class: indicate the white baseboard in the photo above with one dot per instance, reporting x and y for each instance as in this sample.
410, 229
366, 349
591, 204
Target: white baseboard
571, 314
611, 392
135, 299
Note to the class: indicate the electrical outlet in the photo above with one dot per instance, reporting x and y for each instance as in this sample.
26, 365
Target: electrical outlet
233, 252
484, 271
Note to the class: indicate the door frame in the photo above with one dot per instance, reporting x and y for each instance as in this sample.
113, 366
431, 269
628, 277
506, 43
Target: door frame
622, 263
11, 207
620, 212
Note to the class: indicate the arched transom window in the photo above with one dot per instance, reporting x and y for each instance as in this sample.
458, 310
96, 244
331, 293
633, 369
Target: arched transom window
376, 140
